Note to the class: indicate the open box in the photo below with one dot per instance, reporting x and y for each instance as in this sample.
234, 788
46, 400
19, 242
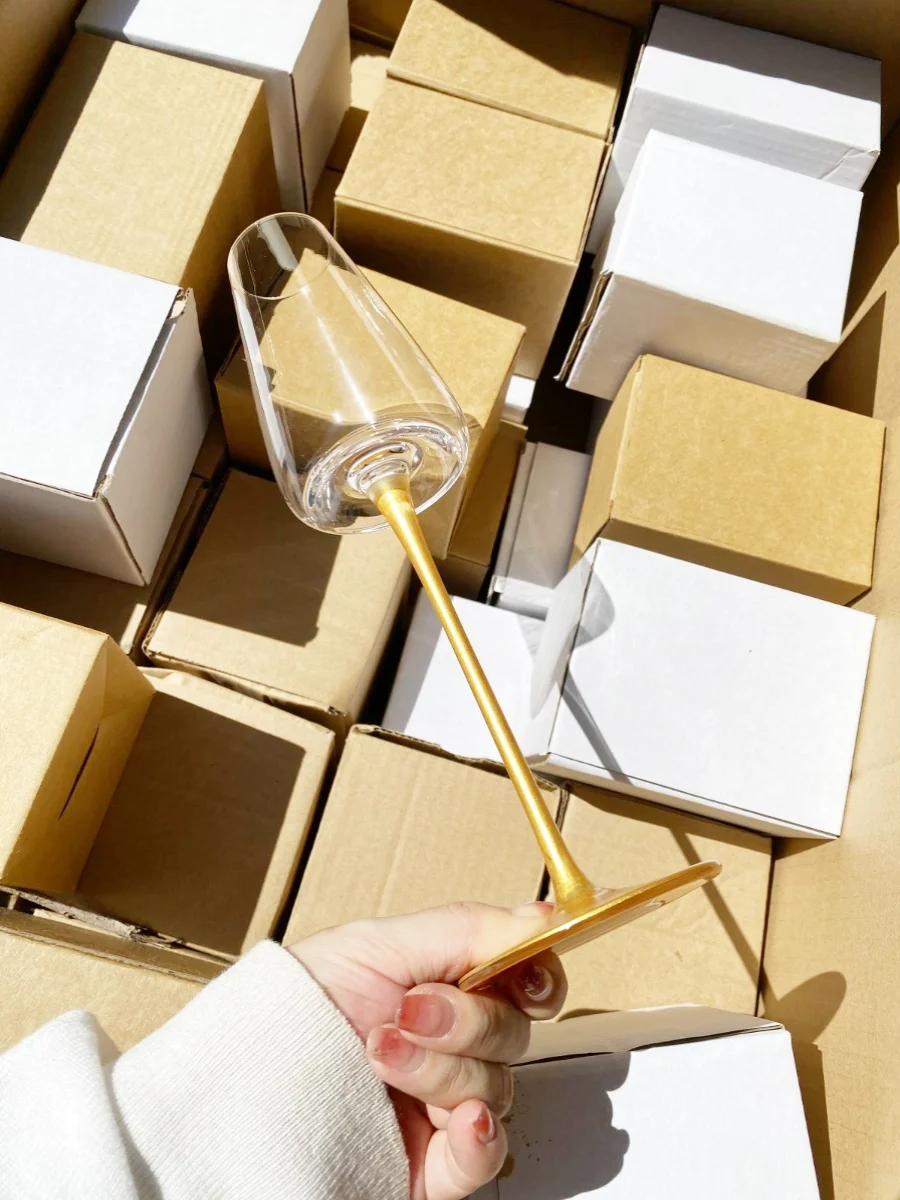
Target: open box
154, 797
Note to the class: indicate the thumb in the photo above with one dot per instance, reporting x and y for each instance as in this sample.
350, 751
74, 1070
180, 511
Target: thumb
439, 945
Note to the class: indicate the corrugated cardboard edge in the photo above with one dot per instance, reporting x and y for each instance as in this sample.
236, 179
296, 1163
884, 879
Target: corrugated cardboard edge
64, 922
598, 288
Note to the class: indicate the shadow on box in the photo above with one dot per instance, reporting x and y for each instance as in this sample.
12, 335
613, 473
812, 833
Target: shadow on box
16, 220
275, 586
188, 854
578, 1109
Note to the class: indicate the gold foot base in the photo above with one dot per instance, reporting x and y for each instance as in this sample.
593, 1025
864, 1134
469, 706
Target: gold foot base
612, 907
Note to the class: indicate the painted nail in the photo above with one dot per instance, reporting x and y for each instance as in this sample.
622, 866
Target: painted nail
485, 1126
426, 1014
388, 1045
535, 981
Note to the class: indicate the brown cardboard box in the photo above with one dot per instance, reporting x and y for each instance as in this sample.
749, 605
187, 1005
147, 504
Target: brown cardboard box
368, 71
203, 836
280, 611
471, 551
705, 949
381, 19
485, 206
119, 609
533, 57
50, 967
32, 36
739, 478
472, 351
146, 162
71, 704
406, 827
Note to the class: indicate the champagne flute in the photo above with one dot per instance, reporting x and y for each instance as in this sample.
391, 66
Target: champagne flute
362, 434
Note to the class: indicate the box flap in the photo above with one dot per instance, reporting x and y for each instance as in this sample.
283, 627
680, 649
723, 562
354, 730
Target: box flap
71, 706
554, 63
63, 411
636, 1029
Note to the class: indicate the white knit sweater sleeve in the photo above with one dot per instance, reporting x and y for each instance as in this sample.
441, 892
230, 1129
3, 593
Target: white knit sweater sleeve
257, 1090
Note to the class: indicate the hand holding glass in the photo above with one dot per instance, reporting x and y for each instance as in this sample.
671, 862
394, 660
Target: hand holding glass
362, 433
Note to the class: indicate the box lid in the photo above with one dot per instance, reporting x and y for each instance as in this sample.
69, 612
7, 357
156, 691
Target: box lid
70, 707
494, 175
737, 234
760, 76
269, 35
534, 57
405, 814
73, 350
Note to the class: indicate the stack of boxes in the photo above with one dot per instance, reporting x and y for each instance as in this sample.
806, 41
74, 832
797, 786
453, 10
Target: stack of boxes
211, 712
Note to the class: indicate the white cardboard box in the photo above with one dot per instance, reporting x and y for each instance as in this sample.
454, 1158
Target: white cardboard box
430, 699
519, 394
720, 262
782, 101
104, 402
539, 530
299, 48
685, 1103
704, 691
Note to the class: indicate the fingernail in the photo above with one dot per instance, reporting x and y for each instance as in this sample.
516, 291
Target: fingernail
534, 908
426, 1014
389, 1046
535, 981
485, 1126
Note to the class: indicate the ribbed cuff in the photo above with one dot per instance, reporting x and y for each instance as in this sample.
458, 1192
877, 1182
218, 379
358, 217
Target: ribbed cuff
259, 1088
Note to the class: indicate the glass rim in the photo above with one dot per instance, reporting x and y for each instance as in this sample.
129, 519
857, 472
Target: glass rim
301, 219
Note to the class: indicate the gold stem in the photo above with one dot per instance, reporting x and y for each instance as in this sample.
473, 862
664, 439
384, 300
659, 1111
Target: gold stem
572, 889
